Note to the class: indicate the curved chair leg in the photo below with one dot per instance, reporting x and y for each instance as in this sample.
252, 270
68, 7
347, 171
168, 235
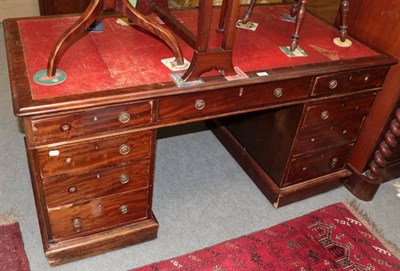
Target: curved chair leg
301, 10
73, 34
136, 17
344, 10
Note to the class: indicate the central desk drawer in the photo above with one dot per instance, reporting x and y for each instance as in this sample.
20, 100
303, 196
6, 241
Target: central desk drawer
231, 99
67, 189
57, 128
98, 214
95, 154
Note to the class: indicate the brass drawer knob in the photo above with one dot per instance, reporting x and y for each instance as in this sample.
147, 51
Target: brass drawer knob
65, 127
72, 189
333, 84
123, 209
77, 224
200, 104
124, 178
124, 117
325, 115
333, 162
124, 149
366, 78
278, 92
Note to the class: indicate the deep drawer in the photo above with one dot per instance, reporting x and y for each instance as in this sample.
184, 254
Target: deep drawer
98, 214
321, 114
334, 134
95, 154
64, 127
316, 164
68, 189
231, 99
349, 81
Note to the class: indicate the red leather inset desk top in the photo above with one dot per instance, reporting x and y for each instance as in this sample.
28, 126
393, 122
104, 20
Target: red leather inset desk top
123, 56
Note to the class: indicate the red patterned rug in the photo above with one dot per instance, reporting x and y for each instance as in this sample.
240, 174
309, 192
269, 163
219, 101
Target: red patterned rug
329, 239
12, 253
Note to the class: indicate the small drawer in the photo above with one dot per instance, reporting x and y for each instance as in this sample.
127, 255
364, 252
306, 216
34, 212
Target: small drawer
98, 214
316, 164
95, 154
231, 99
320, 114
51, 129
68, 189
335, 134
349, 81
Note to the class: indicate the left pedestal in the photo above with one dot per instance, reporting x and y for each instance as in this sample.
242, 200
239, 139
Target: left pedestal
92, 177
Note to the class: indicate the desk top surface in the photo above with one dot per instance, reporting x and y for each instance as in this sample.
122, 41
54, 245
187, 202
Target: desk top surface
126, 60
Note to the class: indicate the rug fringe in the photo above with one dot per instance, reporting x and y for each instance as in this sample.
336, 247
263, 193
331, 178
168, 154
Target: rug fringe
9, 217
354, 207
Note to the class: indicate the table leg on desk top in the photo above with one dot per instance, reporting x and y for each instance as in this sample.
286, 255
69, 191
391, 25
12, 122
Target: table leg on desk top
93, 11
70, 36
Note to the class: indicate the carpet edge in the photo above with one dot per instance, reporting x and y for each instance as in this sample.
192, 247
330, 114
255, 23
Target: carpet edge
9, 217
354, 207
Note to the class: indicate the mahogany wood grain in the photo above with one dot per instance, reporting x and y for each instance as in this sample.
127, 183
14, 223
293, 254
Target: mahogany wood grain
337, 110
320, 136
349, 81
73, 34
98, 214
276, 195
69, 189
94, 244
285, 94
98, 243
376, 23
94, 154
184, 106
95, 8
264, 138
63, 127
205, 59
315, 164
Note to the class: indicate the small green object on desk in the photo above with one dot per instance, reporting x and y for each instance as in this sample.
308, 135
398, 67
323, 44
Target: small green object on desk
41, 78
296, 53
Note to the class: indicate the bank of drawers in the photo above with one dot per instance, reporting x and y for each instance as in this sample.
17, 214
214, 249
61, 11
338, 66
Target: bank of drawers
326, 137
93, 177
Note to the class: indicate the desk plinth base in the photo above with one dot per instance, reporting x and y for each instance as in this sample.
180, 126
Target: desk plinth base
94, 244
276, 195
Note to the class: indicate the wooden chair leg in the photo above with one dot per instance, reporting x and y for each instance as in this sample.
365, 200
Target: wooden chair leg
136, 17
294, 9
73, 34
299, 7
205, 59
222, 16
249, 11
344, 10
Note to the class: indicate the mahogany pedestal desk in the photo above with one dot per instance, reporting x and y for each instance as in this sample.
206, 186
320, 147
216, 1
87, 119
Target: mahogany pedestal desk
90, 140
